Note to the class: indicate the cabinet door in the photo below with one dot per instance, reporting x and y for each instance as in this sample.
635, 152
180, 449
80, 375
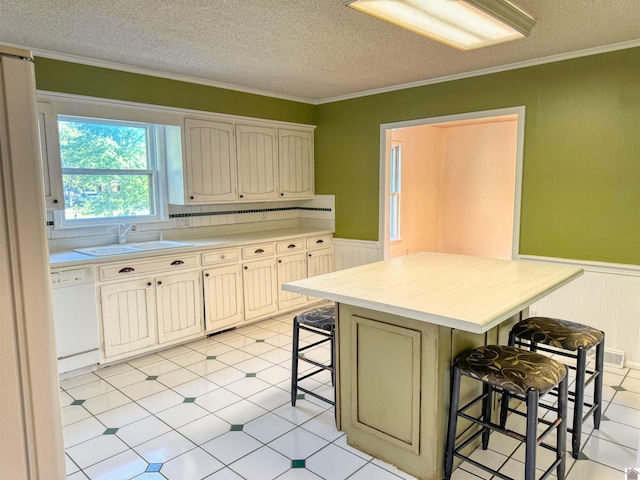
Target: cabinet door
50, 153
319, 262
222, 297
257, 163
128, 316
211, 157
259, 285
296, 163
179, 306
291, 268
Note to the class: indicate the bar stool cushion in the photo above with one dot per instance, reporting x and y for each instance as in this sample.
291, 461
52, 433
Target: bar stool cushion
322, 317
514, 369
557, 333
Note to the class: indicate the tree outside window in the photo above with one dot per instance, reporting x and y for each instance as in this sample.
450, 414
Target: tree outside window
108, 168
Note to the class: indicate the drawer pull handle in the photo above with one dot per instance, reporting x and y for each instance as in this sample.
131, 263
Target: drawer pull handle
292, 246
260, 250
319, 241
159, 282
177, 262
148, 284
126, 270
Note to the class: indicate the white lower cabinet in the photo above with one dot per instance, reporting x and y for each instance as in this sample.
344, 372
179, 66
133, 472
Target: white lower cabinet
128, 316
291, 268
174, 298
222, 297
179, 306
260, 288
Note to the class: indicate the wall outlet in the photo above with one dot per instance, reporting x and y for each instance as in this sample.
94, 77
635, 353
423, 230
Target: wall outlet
182, 222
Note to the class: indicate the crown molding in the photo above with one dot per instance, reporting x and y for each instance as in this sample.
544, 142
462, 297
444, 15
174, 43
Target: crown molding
365, 93
486, 71
171, 76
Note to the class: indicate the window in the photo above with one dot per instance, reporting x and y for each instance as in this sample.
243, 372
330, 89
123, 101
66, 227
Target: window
395, 179
109, 170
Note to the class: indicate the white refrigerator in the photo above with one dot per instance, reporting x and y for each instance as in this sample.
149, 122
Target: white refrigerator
31, 433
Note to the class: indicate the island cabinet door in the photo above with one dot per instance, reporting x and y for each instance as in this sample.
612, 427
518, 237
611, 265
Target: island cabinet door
260, 288
257, 163
222, 297
290, 269
179, 306
128, 316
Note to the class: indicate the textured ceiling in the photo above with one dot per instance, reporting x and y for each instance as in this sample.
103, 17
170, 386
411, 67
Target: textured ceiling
311, 49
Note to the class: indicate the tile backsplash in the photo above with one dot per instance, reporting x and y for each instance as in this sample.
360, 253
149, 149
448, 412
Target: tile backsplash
320, 212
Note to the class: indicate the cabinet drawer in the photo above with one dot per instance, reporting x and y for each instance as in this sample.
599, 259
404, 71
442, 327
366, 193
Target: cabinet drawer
220, 257
319, 242
296, 245
157, 264
258, 251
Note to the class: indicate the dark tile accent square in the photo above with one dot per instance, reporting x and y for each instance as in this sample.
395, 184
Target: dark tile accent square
78, 402
250, 375
300, 396
236, 428
211, 357
259, 341
110, 431
189, 400
298, 463
152, 377
154, 467
618, 388
582, 456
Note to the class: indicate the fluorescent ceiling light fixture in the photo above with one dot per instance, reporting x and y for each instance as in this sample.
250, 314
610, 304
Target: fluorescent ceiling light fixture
463, 24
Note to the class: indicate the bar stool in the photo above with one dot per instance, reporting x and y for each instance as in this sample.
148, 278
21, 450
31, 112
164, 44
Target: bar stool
526, 376
320, 321
573, 340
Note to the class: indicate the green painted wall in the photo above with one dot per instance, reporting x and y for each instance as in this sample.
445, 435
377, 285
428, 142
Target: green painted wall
581, 173
581, 192
66, 77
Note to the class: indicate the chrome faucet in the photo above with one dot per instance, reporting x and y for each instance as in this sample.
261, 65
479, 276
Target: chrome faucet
123, 230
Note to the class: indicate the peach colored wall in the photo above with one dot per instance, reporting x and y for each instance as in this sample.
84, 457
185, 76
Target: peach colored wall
421, 151
458, 188
477, 188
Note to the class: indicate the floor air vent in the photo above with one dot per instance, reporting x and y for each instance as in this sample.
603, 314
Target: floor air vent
612, 357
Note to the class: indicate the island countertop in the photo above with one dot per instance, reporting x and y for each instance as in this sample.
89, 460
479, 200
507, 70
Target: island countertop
468, 293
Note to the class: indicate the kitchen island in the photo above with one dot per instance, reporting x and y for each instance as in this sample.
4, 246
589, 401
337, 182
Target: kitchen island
399, 325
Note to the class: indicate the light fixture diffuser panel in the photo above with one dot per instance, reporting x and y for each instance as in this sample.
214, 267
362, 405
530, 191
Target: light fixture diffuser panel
463, 24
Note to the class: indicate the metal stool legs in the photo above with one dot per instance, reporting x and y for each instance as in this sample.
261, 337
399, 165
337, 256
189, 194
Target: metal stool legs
297, 357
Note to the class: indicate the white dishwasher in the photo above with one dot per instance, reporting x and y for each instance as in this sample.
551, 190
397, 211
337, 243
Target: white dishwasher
76, 318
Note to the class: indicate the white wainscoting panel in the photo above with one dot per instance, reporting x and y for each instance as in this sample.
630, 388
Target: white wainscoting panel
606, 297
352, 253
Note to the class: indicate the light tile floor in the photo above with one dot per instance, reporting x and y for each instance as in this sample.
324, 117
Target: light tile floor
219, 409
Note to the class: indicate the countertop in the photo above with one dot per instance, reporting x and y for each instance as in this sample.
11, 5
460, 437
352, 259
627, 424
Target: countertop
69, 258
457, 291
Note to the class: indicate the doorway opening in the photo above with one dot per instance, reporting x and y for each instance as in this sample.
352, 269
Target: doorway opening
452, 184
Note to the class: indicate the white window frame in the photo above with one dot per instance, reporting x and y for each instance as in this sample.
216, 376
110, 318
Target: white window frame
395, 216
117, 113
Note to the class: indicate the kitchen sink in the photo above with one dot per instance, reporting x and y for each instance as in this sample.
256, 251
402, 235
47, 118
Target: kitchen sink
118, 249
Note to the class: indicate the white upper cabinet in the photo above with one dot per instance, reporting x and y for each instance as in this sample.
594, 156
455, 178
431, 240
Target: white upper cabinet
296, 163
257, 163
50, 152
210, 161
226, 161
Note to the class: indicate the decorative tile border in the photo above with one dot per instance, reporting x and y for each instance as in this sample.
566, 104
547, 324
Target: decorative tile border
237, 212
